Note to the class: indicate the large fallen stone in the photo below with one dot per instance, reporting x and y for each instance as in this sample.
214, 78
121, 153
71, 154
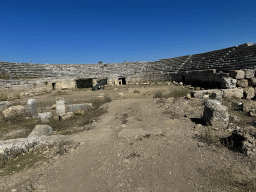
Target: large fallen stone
228, 82
134, 133
237, 74
24, 145
44, 117
237, 92
4, 105
249, 73
249, 93
31, 109
212, 93
242, 83
216, 114
14, 111
40, 130
77, 107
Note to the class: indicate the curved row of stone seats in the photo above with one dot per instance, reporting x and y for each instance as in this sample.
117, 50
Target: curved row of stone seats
223, 59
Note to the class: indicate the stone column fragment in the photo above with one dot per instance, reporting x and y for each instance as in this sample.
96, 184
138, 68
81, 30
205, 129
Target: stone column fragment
31, 109
60, 107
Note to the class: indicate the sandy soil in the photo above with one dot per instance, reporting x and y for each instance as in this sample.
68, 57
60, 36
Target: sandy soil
140, 160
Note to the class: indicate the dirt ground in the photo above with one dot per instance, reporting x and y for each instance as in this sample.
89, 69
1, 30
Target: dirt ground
141, 145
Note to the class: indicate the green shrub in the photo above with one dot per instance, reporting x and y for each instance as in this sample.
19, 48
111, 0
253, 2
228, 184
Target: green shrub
136, 91
98, 102
159, 94
3, 97
4, 76
179, 92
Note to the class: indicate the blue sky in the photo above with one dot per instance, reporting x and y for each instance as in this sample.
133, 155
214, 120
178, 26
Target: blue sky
52, 31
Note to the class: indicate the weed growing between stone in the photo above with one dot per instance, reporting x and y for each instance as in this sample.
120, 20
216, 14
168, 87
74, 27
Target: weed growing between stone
176, 93
98, 102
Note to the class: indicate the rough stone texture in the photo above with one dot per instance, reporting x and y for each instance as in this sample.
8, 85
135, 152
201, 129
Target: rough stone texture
67, 115
4, 105
31, 109
24, 145
228, 82
252, 82
242, 83
76, 107
237, 74
249, 73
134, 133
216, 114
249, 105
60, 107
40, 130
249, 93
14, 111
212, 94
44, 117
237, 92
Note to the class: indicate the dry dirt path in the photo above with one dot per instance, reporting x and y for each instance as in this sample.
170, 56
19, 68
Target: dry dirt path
170, 161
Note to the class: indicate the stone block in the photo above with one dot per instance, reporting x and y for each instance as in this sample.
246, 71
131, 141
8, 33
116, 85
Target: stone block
228, 82
60, 107
249, 73
197, 94
216, 114
242, 83
237, 92
44, 117
237, 74
31, 109
249, 105
252, 82
76, 107
249, 93
40, 130
4, 105
14, 111
67, 115
213, 94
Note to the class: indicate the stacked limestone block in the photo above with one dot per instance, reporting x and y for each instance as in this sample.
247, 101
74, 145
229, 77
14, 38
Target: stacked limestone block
246, 80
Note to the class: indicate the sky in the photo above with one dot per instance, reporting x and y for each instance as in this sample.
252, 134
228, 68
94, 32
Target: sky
86, 32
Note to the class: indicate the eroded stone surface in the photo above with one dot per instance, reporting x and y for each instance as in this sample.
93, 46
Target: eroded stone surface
44, 117
237, 74
228, 82
76, 107
216, 114
40, 130
14, 111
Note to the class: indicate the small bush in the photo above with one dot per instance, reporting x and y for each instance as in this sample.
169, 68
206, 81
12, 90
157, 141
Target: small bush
3, 97
46, 82
97, 102
159, 94
60, 93
136, 91
4, 76
17, 96
179, 92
